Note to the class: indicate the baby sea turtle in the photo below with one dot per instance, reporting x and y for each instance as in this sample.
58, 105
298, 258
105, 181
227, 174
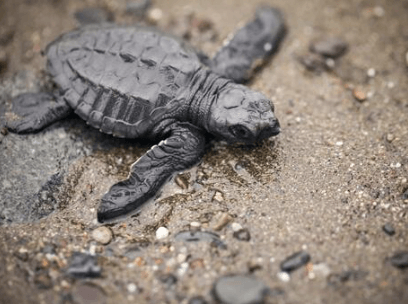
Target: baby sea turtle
136, 82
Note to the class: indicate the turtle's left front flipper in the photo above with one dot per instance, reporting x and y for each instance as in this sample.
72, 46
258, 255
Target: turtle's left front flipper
34, 111
251, 46
182, 149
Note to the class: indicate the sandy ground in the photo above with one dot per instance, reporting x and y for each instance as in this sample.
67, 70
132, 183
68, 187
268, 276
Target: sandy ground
326, 185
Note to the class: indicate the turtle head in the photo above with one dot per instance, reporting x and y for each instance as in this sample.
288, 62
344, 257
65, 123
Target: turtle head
239, 114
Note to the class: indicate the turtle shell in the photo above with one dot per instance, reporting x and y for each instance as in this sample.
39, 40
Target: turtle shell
121, 79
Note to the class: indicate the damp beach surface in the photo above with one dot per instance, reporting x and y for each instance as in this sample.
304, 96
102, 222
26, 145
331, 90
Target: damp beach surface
332, 186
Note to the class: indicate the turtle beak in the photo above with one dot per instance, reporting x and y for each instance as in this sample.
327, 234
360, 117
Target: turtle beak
272, 130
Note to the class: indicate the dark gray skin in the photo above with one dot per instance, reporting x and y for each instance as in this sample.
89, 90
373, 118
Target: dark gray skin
136, 82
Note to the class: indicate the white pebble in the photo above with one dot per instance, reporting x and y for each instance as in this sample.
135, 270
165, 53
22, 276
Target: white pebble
162, 233
395, 165
283, 276
339, 143
371, 72
379, 11
195, 224
132, 288
236, 227
102, 235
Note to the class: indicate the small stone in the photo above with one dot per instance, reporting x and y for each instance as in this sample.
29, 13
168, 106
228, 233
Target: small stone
379, 11
400, 259
283, 276
390, 137
195, 225
138, 8
102, 235
154, 15
182, 181
222, 221
218, 196
313, 62
320, 270
93, 15
197, 300
359, 95
88, 293
22, 254
371, 73
242, 235
83, 265
332, 47
131, 288
168, 279
406, 58
239, 289
236, 226
162, 233
389, 229
295, 261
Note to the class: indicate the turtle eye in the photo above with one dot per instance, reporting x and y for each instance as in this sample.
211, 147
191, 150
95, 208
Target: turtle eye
240, 132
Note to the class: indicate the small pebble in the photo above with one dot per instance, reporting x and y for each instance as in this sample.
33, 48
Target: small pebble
222, 221
154, 15
182, 181
131, 288
218, 196
371, 73
239, 289
168, 279
88, 293
332, 47
102, 235
359, 95
390, 137
295, 261
313, 62
195, 224
400, 259
389, 229
242, 235
236, 226
406, 58
83, 265
93, 15
162, 233
283, 276
379, 11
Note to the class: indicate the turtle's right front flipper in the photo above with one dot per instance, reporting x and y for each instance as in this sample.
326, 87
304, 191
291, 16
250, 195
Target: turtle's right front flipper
182, 149
34, 111
251, 45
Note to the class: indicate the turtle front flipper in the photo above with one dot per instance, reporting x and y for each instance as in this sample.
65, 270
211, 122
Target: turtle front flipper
34, 111
182, 149
251, 46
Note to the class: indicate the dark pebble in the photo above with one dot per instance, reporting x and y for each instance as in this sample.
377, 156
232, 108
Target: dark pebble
197, 300
400, 259
138, 8
93, 15
242, 235
295, 261
200, 236
405, 195
168, 279
389, 229
83, 265
347, 275
88, 294
239, 289
329, 47
313, 62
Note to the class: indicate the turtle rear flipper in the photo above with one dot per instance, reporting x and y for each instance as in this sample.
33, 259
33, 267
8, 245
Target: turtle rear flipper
182, 149
34, 111
251, 46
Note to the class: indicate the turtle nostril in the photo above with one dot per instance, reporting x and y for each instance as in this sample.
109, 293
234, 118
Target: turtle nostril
276, 128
